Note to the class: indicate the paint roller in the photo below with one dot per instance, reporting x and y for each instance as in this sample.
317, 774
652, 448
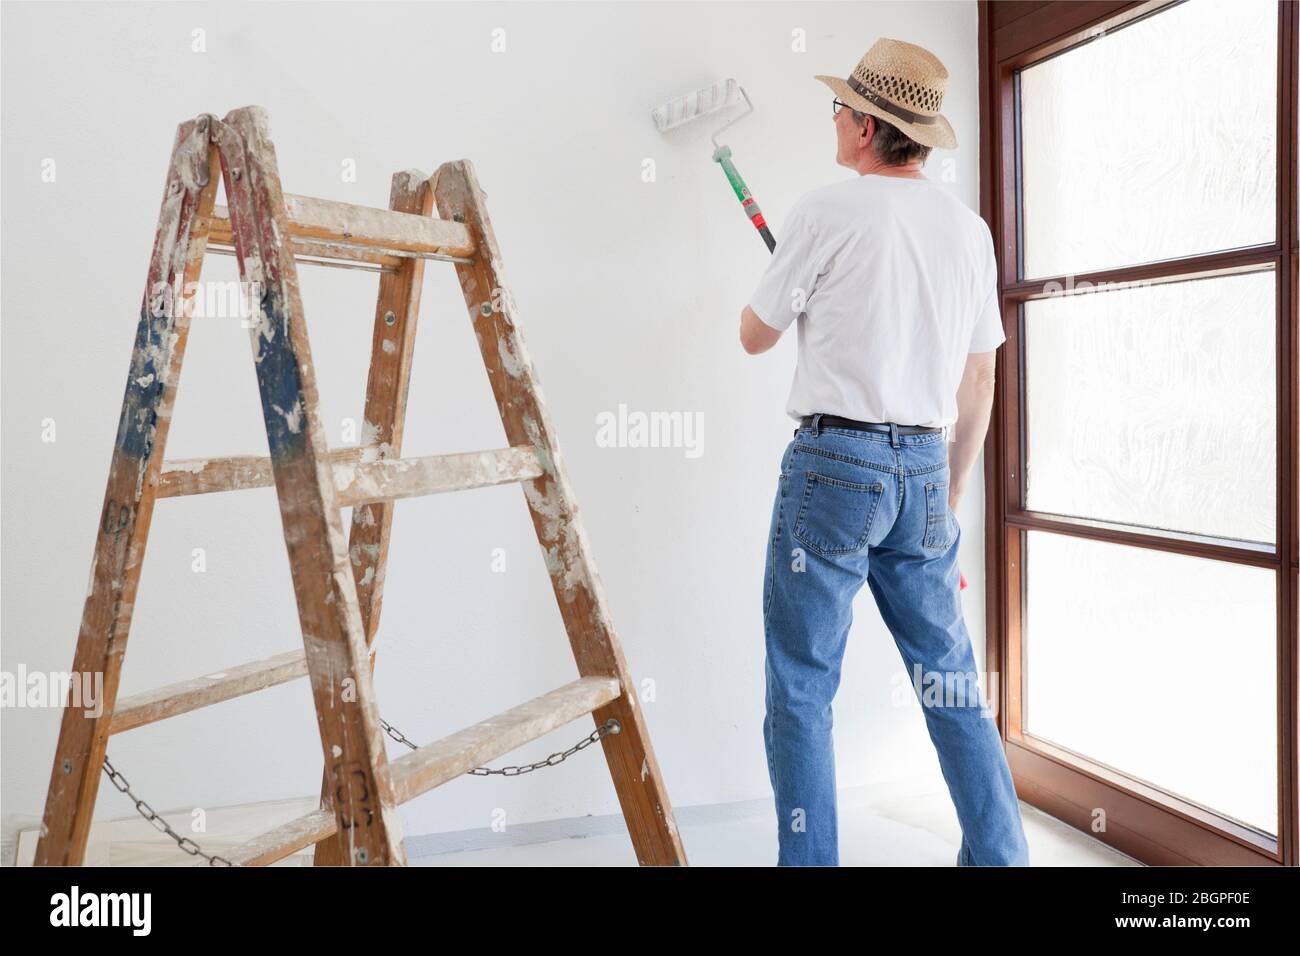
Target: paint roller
705, 102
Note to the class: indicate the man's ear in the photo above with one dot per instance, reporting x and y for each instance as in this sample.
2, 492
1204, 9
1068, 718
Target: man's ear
868, 130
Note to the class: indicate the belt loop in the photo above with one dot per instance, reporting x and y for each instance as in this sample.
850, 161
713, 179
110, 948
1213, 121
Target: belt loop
893, 434
817, 424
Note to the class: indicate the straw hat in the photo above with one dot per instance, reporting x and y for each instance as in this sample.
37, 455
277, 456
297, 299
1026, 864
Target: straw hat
902, 84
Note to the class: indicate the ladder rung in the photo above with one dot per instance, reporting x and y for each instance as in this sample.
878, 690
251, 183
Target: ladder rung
180, 698
436, 763
287, 838
391, 478
362, 226
359, 481
329, 254
201, 476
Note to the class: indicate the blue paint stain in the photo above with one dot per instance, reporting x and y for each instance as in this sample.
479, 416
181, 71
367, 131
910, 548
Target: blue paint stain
277, 380
144, 383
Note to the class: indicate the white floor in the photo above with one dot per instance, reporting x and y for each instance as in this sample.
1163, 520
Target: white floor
880, 826
913, 830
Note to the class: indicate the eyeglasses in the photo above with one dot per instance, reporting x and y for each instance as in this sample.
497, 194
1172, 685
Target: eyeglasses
838, 104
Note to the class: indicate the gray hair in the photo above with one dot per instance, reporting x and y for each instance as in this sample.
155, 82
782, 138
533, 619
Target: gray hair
891, 145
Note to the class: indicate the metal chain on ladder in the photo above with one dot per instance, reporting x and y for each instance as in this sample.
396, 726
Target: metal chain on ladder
155, 819
610, 726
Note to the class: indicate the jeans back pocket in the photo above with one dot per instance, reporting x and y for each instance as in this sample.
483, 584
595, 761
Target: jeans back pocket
938, 517
835, 515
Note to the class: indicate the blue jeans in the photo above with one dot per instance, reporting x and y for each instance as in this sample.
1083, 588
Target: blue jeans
855, 506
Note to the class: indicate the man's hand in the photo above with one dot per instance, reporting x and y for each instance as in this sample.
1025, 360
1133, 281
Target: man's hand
756, 335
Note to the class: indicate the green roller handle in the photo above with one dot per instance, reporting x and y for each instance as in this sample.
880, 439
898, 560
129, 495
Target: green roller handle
722, 156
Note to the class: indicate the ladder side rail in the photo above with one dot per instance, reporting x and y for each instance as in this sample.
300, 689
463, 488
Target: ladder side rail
397, 311
369, 829
129, 498
577, 587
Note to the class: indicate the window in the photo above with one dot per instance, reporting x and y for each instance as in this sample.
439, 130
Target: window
1153, 142
1139, 178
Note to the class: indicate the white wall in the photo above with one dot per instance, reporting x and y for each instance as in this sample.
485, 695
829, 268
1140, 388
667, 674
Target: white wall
629, 293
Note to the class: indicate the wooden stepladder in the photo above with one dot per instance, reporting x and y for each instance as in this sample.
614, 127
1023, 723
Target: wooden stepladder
338, 582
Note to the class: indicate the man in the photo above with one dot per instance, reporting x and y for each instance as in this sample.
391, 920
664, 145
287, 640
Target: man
893, 283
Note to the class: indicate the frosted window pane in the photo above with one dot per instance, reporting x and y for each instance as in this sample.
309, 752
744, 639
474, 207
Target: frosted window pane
1154, 406
1152, 142
1159, 665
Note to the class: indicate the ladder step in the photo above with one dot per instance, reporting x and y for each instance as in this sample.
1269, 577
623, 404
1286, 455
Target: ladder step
359, 481
364, 227
287, 838
187, 695
201, 476
436, 763
312, 253
391, 478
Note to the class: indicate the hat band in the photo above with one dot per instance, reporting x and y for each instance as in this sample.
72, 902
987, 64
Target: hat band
906, 116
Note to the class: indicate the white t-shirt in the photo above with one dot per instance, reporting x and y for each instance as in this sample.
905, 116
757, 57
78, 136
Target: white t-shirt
893, 282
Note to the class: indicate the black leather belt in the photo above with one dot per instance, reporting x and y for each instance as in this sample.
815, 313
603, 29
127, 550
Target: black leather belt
834, 421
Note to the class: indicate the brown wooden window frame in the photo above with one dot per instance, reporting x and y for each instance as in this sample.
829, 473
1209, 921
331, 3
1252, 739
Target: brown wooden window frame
1151, 825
